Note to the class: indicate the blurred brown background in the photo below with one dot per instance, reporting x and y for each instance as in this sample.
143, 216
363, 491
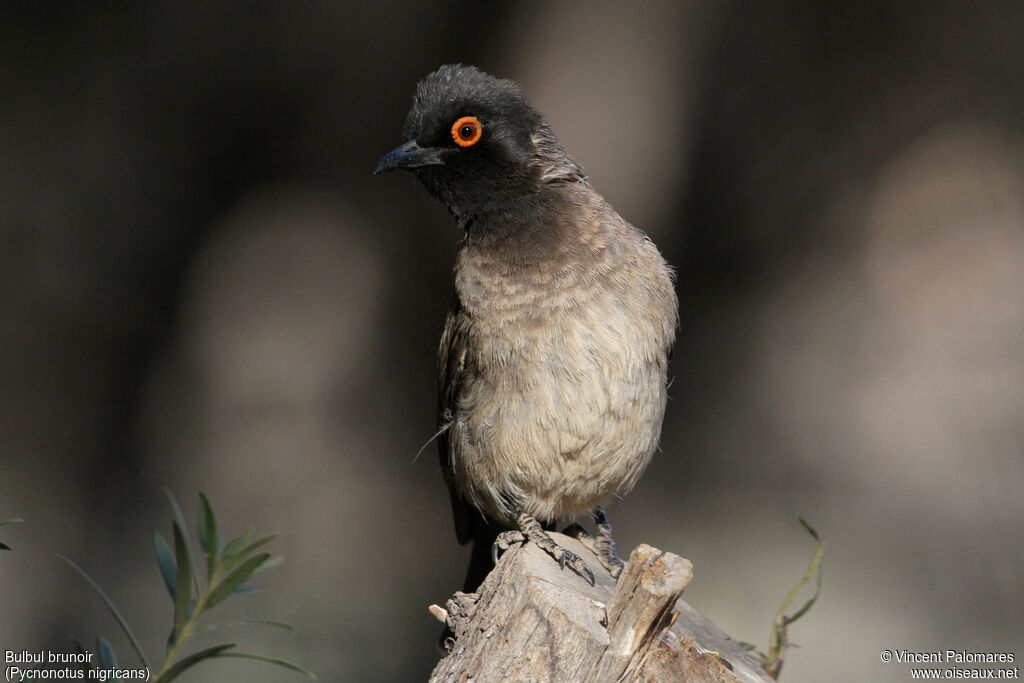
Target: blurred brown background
202, 287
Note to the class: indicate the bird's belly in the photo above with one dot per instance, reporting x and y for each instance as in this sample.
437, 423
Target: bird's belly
568, 415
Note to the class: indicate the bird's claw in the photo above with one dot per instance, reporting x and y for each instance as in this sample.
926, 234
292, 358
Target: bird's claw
567, 558
604, 544
531, 530
504, 541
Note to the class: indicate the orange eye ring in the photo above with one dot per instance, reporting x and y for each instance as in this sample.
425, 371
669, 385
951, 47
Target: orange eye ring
467, 131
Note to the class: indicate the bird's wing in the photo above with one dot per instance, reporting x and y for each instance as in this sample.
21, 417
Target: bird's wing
452, 380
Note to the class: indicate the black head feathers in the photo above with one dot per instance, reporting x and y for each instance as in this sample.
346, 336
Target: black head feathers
455, 90
477, 145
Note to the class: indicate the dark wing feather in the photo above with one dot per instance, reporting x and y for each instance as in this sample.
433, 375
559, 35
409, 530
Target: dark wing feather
452, 377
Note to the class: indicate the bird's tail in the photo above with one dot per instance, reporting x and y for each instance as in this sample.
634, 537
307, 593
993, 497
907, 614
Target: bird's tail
480, 562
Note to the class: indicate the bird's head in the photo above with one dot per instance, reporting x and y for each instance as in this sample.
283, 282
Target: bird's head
477, 145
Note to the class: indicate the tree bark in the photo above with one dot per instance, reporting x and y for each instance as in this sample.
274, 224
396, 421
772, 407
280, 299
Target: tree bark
533, 621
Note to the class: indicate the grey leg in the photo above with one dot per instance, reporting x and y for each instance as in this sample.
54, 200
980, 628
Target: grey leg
530, 529
605, 543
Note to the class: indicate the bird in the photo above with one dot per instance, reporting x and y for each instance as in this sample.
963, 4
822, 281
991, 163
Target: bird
553, 362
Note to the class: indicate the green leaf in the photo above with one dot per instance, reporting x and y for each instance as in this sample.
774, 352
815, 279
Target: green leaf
176, 512
270, 564
247, 622
272, 660
816, 568
168, 568
248, 550
257, 543
183, 585
235, 579
246, 590
113, 610
809, 528
243, 554
208, 536
234, 545
186, 662
107, 657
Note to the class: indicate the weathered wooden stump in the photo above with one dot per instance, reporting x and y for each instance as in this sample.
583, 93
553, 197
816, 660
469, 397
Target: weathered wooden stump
532, 621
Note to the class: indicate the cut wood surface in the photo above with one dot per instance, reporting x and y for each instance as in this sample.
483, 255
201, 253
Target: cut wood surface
533, 621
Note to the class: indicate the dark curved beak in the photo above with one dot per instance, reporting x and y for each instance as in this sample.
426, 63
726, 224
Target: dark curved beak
408, 156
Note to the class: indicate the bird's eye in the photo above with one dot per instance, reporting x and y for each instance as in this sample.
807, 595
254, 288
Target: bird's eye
467, 131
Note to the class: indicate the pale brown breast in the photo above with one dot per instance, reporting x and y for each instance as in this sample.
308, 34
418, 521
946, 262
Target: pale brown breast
553, 371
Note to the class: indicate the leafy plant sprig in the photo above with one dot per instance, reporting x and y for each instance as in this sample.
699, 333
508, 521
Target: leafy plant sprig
778, 642
228, 567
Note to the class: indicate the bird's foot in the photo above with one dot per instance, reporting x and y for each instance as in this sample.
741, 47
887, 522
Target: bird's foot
533, 531
576, 531
604, 544
504, 541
